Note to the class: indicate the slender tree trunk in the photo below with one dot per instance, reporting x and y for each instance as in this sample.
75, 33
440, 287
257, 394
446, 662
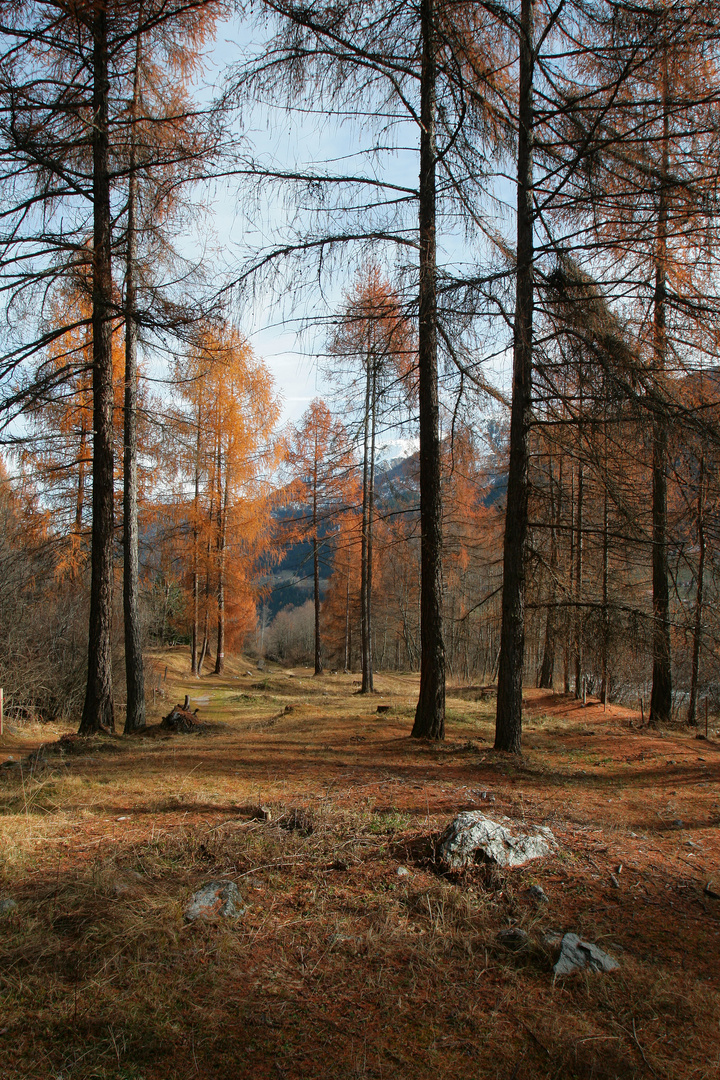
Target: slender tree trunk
697, 629
205, 648
508, 723
206, 639
80, 498
578, 620
571, 581
98, 714
364, 628
548, 661
222, 544
604, 689
661, 695
196, 557
134, 670
430, 712
316, 566
371, 509
346, 666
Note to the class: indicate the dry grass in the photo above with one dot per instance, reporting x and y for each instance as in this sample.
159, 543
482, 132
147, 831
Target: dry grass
341, 967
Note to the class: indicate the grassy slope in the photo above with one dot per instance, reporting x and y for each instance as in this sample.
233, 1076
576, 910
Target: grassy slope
341, 967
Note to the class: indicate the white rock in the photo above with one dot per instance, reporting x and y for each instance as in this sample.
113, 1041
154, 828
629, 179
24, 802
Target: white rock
576, 955
7, 906
472, 837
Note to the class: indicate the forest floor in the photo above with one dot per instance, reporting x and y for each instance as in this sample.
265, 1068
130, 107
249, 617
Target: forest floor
341, 967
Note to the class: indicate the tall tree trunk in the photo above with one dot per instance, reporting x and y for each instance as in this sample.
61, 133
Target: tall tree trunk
697, 629
578, 619
661, 696
80, 496
205, 648
316, 566
430, 712
346, 665
548, 661
508, 722
364, 536
98, 714
196, 557
221, 546
604, 688
134, 671
570, 586
368, 686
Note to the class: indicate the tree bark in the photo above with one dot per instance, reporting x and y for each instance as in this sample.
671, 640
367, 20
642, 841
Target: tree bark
367, 686
364, 544
346, 664
98, 714
661, 695
194, 670
604, 686
548, 661
80, 497
316, 565
508, 722
697, 629
579, 552
222, 544
134, 670
430, 712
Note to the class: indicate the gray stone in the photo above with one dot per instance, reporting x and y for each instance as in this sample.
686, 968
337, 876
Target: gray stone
513, 938
539, 894
472, 837
402, 871
7, 906
577, 955
217, 898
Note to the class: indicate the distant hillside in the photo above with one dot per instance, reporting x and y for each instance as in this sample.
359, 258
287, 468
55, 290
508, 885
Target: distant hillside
397, 490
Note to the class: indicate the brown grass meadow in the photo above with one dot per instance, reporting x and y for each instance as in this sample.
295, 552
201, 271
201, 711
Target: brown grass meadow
341, 967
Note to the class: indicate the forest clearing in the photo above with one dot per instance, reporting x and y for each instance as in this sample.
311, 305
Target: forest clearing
356, 955
359, 539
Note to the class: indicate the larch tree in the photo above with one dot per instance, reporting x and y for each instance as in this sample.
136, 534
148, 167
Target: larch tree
321, 460
374, 334
224, 446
